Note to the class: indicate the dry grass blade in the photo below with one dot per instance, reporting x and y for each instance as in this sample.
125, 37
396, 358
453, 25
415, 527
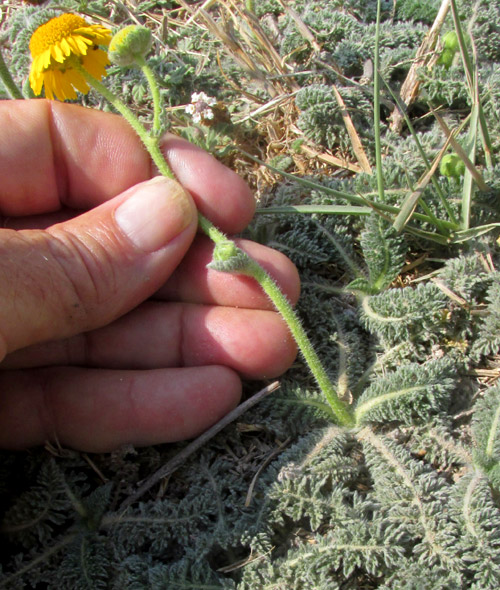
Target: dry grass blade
425, 56
194, 13
470, 67
234, 86
331, 160
264, 51
264, 464
302, 27
232, 46
357, 146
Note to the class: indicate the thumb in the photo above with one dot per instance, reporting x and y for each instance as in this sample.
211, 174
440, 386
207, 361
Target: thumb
85, 272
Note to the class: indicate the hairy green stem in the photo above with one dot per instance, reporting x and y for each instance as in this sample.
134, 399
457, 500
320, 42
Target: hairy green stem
150, 141
8, 80
155, 93
340, 409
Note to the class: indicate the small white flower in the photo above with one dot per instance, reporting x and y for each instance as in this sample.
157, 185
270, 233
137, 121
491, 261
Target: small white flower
200, 107
203, 98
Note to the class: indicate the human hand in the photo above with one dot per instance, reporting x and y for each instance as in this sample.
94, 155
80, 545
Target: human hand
112, 329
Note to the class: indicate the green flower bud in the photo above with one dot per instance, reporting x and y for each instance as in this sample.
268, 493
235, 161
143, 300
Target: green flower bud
446, 58
450, 41
128, 44
452, 166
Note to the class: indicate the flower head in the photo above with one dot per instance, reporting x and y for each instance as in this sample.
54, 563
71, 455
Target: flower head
128, 44
60, 48
201, 107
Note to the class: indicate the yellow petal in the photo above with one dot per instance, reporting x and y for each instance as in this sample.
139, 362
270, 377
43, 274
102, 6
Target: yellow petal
36, 82
80, 44
95, 63
76, 79
57, 53
64, 88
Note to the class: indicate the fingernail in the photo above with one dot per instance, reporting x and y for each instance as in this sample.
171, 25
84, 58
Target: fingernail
157, 212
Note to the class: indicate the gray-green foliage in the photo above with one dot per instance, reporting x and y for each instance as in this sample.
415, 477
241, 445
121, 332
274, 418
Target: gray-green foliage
283, 500
372, 507
321, 117
488, 341
413, 10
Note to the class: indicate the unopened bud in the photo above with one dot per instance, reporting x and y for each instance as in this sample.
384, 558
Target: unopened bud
452, 166
128, 44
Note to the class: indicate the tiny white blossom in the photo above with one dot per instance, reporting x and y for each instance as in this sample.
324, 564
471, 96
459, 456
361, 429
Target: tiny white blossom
200, 107
203, 98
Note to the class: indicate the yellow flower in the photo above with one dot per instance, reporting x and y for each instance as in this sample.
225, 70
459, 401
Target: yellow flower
62, 46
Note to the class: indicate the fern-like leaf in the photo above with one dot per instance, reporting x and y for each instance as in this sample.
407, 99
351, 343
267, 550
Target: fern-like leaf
412, 392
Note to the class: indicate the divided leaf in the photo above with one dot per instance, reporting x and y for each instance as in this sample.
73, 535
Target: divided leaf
486, 433
488, 341
406, 315
412, 392
384, 252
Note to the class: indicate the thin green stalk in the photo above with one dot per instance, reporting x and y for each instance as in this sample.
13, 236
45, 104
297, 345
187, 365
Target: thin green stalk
437, 186
328, 209
155, 93
339, 408
152, 144
471, 74
468, 183
8, 80
210, 230
358, 199
376, 105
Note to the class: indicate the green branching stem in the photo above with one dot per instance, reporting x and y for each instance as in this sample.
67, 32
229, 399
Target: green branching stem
365, 304
350, 263
467, 511
428, 526
43, 557
369, 404
341, 410
324, 408
8, 81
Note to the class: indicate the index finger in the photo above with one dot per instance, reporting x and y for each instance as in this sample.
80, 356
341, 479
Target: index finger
55, 155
